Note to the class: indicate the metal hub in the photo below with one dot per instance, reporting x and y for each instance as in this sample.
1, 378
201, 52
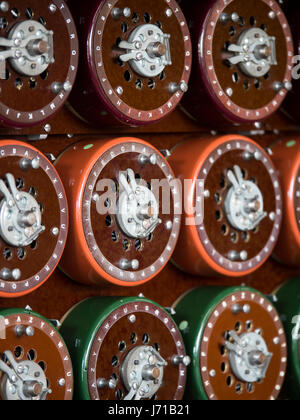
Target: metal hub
25, 380
20, 215
29, 49
142, 372
138, 209
255, 52
249, 356
147, 50
244, 204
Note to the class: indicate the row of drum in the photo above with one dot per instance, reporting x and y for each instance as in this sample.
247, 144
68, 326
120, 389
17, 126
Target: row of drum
119, 213
215, 343
134, 60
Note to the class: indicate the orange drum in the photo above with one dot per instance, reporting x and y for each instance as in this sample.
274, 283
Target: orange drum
124, 238
235, 230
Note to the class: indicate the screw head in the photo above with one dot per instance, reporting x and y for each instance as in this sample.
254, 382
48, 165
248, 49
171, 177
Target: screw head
19, 330
4, 6
139, 56
206, 193
246, 309
61, 382
35, 163
132, 319
20, 370
186, 360
29, 331
47, 128
184, 87
244, 255
272, 216
18, 53
288, 86
135, 264
14, 379
55, 231
52, 8
169, 225
120, 90
152, 360
169, 12
16, 274
272, 14
95, 197
229, 92
127, 12
235, 17
257, 155
67, 86
12, 389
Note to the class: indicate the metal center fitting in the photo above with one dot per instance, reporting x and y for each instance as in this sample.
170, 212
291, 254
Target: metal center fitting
255, 52
142, 372
22, 381
249, 356
147, 50
244, 204
138, 209
29, 49
20, 215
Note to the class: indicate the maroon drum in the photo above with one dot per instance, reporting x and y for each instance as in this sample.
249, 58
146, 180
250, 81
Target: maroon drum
38, 60
242, 65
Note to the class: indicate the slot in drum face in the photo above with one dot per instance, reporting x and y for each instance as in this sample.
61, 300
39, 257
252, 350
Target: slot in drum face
242, 202
125, 237
38, 61
35, 363
238, 342
135, 61
131, 348
286, 157
242, 60
33, 219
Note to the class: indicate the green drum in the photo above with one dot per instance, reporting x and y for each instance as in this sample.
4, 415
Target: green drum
34, 361
125, 348
288, 305
236, 341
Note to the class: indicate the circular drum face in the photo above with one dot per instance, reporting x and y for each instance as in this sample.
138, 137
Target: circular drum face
33, 219
286, 157
138, 57
127, 235
38, 61
244, 59
237, 227
287, 304
136, 351
240, 350
35, 363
